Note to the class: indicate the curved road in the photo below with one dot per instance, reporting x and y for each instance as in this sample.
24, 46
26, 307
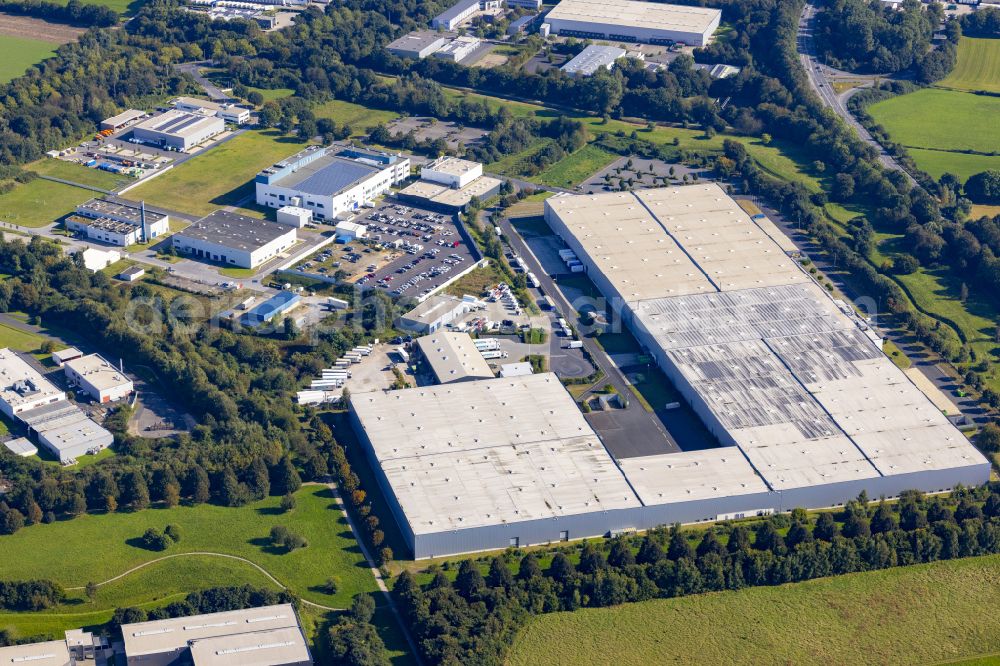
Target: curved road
203, 553
821, 79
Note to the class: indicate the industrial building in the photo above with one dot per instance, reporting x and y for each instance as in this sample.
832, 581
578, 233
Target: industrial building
634, 21
419, 44
453, 357
117, 222
122, 120
329, 181
449, 183
435, 313
294, 216
234, 239
95, 260
59, 425
349, 231
265, 636
808, 410
459, 48
231, 113
178, 130
776, 371
534, 5
78, 648
102, 381
462, 10
593, 58
270, 309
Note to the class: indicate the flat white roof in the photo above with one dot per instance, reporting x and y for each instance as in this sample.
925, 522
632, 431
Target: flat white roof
159, 636
49, 653
633, 14
453, 356
592, 58
63, 355
435, 307
516, 369
793, 380
124, 117
489, 452
98, 372
692, 475
20, 383
453, 166
178, 123
273, 647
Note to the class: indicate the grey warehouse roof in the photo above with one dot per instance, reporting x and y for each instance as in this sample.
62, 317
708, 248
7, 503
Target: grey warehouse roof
489, 452
760, 350
453, 356
235, 231
631, 13
327, 176
592, 58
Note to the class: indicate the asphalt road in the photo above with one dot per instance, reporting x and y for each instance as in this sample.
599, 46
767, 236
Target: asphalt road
821, 78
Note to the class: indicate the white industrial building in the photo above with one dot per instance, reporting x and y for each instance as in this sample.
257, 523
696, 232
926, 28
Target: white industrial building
178, 130
634, 21
294, 216
808, 410
435, 313
228, 238
329, 181
453, 357
117, 222
419, 44
775, 370
349, 231
97, 260
77, 648
593, 58
231, 113
461, 11
451, 171
450, 183
58, 424
458, 49
123, 119
265, 636
102, 381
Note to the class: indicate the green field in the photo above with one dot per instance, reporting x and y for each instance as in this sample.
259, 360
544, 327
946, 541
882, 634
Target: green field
40, 202
222, 176
908, 615
77, 173
577, 167
944, 129
360, 118
104, 546
127, 7
20, 53
978, 66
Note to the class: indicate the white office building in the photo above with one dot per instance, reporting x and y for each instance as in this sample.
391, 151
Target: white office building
102, 381
329, 181
237, 240
634, 21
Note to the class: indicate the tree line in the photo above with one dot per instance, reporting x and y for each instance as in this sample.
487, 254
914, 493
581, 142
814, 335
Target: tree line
473, 616
73, 12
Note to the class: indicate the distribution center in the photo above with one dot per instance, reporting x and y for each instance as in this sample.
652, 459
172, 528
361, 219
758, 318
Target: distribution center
633, 21
234, 239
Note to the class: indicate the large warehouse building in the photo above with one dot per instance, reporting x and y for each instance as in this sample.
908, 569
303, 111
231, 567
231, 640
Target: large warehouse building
633, 21
118, 222
809, 411
178, 130
234, 239
329, 181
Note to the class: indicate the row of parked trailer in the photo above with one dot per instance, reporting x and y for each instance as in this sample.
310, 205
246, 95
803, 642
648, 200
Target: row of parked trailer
572, 262
333, 379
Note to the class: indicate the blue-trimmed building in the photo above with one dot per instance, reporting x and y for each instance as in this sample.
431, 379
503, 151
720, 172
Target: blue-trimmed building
267, 311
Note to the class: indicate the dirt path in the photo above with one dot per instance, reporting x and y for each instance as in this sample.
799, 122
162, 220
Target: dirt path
200, 553
33, 28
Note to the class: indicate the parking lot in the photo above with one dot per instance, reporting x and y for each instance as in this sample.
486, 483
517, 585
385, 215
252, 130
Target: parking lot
406, 251
431, 129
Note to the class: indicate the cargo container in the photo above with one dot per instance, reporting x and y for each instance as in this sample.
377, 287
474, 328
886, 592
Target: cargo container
576, 269
533, 281
336, 303
493, 354
567, 254
403, 354
486, 344
575, 344
549, 302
